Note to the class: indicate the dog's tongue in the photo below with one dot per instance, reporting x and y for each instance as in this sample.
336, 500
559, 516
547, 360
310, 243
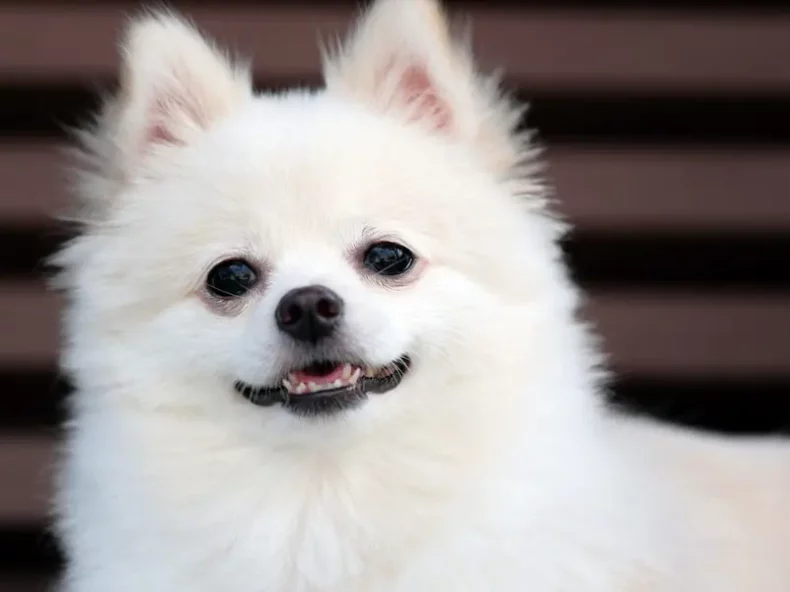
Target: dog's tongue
307, 377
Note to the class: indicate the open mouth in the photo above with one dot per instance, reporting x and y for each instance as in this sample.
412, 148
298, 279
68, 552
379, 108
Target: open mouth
327, 386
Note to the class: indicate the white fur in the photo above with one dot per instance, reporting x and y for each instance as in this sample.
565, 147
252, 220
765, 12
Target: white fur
492, 467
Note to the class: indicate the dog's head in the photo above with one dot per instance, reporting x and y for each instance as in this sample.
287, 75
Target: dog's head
378, 239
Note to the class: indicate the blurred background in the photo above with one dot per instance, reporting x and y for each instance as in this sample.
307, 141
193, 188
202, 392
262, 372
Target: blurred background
667, 133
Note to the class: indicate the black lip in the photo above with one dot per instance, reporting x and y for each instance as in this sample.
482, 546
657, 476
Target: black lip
325, 402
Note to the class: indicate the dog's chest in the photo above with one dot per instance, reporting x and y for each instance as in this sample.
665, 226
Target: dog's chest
278, 529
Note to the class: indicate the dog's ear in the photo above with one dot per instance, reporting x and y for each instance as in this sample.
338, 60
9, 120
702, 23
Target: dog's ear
173, 86
402, 59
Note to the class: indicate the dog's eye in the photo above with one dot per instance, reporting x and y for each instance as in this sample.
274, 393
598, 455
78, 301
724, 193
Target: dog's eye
231, 279
388, 259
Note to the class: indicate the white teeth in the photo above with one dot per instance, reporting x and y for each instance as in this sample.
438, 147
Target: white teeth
369, 372
349, 376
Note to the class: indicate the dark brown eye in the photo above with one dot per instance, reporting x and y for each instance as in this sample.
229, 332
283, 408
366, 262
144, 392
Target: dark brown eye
231, 279
389, 259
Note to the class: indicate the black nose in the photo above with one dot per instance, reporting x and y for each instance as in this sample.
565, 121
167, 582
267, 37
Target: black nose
309, 314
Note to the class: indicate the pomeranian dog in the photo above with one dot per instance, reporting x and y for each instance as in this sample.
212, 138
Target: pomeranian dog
324, 341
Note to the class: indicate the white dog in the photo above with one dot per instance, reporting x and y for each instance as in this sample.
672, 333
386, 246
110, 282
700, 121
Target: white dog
324, 341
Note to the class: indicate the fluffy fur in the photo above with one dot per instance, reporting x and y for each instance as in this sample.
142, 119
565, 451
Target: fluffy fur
492, 467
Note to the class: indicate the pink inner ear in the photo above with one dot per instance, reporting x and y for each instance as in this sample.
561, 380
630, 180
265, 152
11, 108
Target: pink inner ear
159, 133
417, 91
164, 114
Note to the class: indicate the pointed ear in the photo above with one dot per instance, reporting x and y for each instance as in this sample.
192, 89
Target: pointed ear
401, 59
173, 86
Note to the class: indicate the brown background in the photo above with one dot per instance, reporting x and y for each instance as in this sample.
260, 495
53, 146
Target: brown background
667, 126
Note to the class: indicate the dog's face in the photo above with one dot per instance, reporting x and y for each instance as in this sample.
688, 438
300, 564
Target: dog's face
311, 251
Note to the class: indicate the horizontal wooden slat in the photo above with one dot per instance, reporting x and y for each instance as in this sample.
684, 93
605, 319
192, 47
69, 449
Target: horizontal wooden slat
26, 469
744, 405
641, 190
29, 317
598, 188
34, 182
675, 335
649, 118
572, 48
688, 335
31, 583
29, 553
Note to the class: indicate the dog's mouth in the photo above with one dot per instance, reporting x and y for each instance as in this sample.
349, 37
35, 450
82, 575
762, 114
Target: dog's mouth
327, 386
